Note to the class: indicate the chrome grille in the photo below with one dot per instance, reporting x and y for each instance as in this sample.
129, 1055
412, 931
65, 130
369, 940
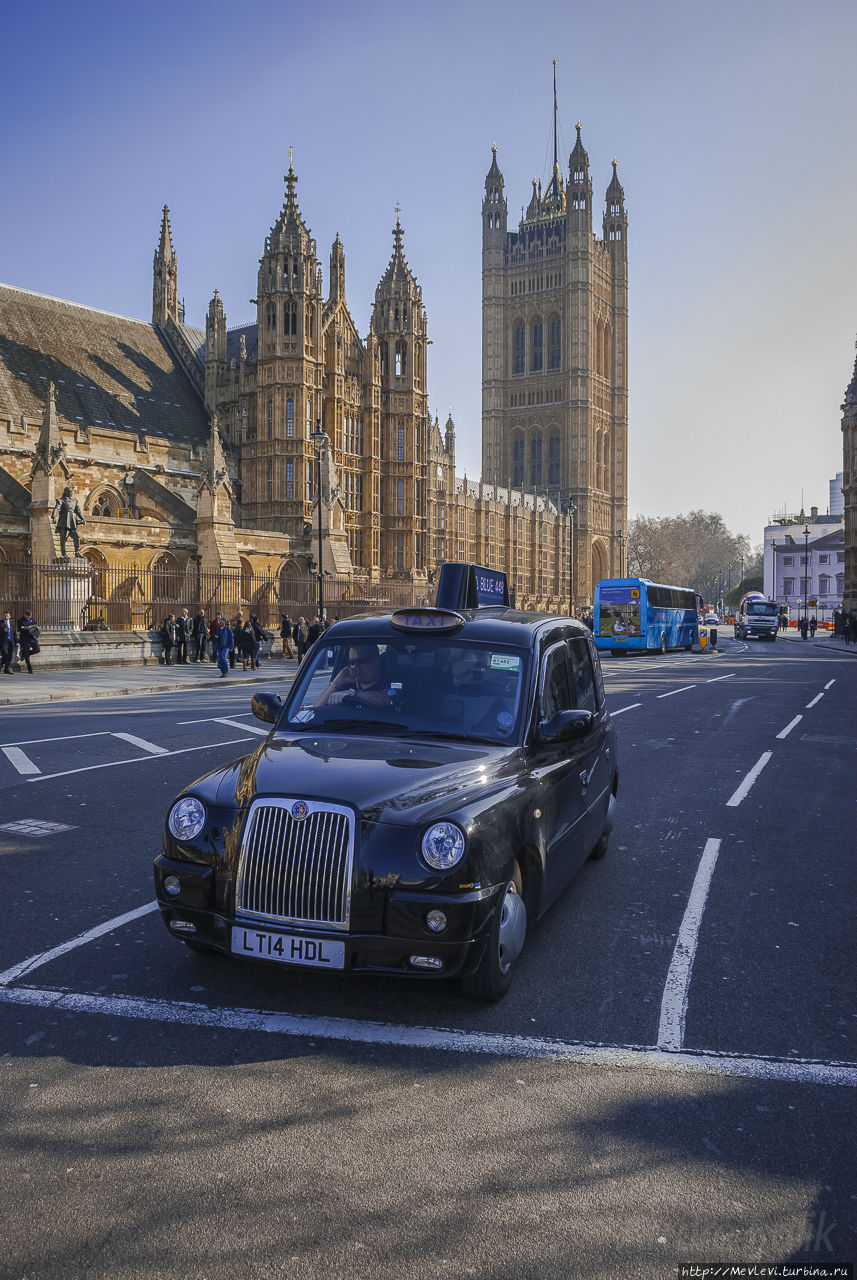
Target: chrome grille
296, 870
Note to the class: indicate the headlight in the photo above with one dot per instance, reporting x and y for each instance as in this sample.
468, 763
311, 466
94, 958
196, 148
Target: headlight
186, 818
443, 845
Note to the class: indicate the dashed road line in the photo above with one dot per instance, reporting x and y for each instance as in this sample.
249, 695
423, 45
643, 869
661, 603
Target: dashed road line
736, 798
672, 692
728, 676
674, 1001
817, 698
784, 733
248, 728
44, 957
829, 684
619, 710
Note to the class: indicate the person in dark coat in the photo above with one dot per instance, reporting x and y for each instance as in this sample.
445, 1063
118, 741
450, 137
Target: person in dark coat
7, 643
245, 642
183, 630
259, 636
212, 635
168, 637
199, 632
315, 629
28, 638
813, 626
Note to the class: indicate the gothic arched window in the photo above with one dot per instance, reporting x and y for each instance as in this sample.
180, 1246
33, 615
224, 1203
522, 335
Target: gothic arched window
556, 339
290, 416
382, 351
520, 340
401, 356
538, 342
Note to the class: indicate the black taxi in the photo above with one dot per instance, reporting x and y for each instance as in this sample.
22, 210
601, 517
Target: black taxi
431, 783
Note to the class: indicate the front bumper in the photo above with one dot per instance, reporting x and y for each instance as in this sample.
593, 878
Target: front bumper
459, 947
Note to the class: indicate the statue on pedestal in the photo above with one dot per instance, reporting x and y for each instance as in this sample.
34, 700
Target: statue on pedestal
67, 517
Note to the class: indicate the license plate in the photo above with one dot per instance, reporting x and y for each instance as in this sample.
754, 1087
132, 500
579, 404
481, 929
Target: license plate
319, 953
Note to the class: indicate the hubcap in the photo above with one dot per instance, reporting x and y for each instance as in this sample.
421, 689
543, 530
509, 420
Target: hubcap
513, 928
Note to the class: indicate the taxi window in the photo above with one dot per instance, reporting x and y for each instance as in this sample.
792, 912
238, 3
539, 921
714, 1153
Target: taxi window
555, 692
582, 676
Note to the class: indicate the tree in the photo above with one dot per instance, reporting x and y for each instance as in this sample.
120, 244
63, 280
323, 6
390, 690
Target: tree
694, 550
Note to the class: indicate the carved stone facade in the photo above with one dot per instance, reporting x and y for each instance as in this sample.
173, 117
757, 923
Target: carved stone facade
555, 356
200, 449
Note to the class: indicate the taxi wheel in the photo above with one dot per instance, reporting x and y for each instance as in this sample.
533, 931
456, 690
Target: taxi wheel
506, 941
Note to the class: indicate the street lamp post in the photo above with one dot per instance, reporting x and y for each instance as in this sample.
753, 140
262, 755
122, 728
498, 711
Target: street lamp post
570, 508
621, 554
319, 440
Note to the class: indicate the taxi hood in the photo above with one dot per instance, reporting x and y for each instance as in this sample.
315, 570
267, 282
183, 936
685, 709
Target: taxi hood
399, 781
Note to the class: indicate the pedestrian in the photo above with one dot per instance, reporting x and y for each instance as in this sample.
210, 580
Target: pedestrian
301, 634
199, 632
212, 635
244, 643
183, 632
315, 629
804, 627
224, 645
286, 636
7, 643
813, 626
236, 624
28, 638
259, 635
168, 637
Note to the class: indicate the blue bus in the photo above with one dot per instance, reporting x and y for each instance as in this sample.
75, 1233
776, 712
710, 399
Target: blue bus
633, 613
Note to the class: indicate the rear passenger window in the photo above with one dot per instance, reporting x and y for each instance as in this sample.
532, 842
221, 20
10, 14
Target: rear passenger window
556, 695
582, 676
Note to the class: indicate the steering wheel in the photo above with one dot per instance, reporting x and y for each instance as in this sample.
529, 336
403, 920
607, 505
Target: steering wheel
352, 698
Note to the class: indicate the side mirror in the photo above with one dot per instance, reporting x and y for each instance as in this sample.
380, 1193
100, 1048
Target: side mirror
565, 726
267, 707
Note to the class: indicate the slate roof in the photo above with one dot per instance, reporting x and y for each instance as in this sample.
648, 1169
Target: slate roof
108, 370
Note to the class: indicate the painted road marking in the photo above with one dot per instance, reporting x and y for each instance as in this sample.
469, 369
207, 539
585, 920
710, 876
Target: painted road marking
738, 796
66, 737
659, 1058
248, 728
652, 1058
674, 1002
111, 764
621, 709
784, 733
817, 698
728, 676
142, 744
830, 684
44, 957
674, 691
19, 760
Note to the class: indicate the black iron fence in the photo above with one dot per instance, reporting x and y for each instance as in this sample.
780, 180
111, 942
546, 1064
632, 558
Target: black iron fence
130, 598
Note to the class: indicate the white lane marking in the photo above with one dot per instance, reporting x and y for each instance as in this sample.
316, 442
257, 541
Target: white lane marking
735, 799
142, 744
674, 691
248, 728
20, 760
35, 962
728, 676
830, 684
674, 1001
111, 764
784, 733
817, 698
707, 1062
621, 709
67, 737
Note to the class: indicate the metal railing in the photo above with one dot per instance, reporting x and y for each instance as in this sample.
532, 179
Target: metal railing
134, 598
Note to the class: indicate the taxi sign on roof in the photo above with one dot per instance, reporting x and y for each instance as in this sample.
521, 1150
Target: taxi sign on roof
426, 619
471, 586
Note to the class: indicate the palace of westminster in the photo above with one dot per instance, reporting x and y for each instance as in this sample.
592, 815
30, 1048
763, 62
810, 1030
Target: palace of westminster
188, 447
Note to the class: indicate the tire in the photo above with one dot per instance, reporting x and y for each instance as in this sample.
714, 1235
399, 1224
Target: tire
508, 933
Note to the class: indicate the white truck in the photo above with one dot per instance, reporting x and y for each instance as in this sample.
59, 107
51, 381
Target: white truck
756, 617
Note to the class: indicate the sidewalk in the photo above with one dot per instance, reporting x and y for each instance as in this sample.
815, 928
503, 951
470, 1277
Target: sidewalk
825, 638
77, 685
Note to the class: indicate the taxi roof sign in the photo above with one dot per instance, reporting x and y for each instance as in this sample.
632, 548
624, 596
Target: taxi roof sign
471, 586
425, 618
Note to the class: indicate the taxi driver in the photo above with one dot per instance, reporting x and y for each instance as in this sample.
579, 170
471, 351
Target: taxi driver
360, 682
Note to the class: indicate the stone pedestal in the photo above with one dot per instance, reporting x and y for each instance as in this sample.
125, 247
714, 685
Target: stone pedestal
69, 585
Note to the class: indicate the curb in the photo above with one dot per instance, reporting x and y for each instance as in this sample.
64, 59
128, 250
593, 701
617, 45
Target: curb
83, 694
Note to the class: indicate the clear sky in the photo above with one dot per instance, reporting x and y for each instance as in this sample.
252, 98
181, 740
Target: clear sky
734, 126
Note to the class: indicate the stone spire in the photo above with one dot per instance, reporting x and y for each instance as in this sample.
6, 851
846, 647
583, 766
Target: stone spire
165, 293
337, 271
49, 464
215, 527
50, 450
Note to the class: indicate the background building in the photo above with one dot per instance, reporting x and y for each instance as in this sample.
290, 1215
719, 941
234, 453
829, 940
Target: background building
555, 356
849, 491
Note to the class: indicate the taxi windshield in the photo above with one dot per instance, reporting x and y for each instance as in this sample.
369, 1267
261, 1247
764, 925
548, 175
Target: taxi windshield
439, 686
